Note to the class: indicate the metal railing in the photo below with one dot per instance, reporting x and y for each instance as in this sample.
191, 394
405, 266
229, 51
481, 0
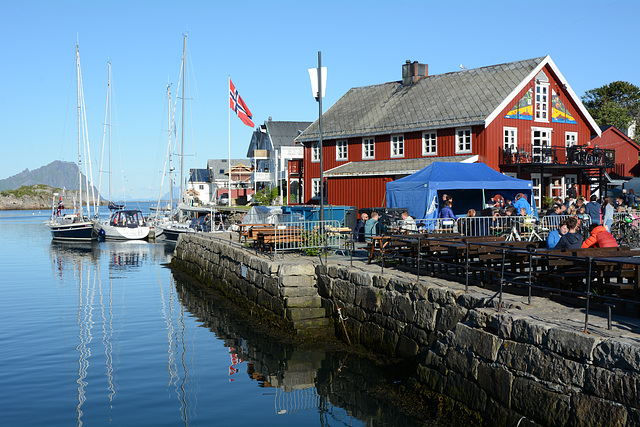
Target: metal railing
310, 235
574, 155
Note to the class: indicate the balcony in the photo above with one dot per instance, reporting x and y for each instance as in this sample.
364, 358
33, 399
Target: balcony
260, 154
577, 155
261, 177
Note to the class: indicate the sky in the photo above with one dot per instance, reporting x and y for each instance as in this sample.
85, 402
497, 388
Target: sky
266, 49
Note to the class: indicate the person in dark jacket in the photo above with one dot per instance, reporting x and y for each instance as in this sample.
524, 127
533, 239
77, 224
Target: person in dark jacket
573, 239
358, 232
593, 210
600, 238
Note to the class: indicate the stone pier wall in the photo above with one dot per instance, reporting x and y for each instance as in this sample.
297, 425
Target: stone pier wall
511, 368
287, 289
504, 366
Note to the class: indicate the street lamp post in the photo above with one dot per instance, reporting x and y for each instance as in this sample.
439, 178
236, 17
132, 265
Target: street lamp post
318, 83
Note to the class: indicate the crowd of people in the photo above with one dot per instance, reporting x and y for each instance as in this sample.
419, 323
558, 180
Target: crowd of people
570, 233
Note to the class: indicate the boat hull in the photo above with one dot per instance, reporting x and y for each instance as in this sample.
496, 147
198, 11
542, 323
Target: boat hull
81, 230
110, 232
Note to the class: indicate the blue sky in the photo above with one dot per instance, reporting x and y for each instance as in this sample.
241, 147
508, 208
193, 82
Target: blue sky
266, 49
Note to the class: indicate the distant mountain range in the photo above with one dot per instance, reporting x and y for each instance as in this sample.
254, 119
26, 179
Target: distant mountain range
57, 174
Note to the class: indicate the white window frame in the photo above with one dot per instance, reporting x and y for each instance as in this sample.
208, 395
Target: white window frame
537, 181
541, 102
510, 138
570, 139
342, 147
464, 140
368, 148
536, 150
430, 143
397, 146
315, 152
315, 187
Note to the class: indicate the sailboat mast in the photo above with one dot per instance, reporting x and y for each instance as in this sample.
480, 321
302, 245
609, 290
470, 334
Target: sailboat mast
79, 129
169, 152
109, 112
184, 52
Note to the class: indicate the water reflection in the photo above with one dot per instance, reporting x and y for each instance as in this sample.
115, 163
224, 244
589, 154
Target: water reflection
333, 385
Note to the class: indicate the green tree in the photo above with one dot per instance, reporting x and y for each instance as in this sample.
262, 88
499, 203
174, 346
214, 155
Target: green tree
267, 196
616, 104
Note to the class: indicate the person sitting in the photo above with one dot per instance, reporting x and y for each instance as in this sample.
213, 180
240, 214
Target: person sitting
554, 236
447, 211
358, 232
407, 224
373, 227
573, 239
521, 202
600, 238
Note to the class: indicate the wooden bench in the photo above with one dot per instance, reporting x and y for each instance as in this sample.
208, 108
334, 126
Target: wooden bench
247, 231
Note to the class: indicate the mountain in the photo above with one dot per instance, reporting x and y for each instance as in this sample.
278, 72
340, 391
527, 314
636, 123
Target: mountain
56, 174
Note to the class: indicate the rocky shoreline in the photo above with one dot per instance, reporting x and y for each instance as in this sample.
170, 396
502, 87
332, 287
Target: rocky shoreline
34, 198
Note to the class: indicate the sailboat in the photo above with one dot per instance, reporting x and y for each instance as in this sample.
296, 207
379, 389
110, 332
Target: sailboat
75, 226
123, 223
203, 217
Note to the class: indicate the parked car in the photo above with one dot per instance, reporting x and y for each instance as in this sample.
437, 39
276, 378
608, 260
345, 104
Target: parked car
223, 200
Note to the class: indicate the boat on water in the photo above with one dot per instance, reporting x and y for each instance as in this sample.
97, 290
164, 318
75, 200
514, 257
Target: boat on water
123, 223
201, 219
75, 226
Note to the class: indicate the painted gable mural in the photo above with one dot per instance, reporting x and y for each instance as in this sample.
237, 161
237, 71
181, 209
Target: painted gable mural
523, 110
559, 113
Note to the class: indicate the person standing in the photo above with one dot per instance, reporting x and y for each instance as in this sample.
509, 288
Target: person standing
593, 210
608, 213
447, 211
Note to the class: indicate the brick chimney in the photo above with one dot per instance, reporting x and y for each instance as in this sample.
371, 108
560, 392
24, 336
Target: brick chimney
412, 72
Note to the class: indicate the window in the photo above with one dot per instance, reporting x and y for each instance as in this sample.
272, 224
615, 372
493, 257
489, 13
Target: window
510, 141
315, 187
341, 150
315, 152
201, 187
542, 102
397, 146
463, 140
429, 143
368, 148
570, 139
541, 150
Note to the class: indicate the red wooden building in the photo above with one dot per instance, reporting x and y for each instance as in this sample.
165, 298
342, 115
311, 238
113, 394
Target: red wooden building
520, 118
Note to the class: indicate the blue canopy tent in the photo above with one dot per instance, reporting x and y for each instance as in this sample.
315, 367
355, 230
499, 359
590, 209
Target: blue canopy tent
472, 185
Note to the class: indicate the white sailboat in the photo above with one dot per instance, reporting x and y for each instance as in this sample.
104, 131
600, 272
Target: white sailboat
123, 223
76, 226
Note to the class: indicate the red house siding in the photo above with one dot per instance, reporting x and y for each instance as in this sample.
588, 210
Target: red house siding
363, 192
627, 151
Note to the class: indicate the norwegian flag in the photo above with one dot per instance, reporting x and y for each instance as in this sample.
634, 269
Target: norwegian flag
238, 106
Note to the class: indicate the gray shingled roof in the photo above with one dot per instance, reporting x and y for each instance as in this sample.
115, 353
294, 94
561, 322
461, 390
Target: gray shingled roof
284, 133
461, 98
390, 167
216, 165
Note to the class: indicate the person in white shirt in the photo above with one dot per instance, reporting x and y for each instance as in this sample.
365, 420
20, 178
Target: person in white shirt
408, 223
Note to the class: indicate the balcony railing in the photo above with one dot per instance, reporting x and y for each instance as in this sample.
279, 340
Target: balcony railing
260, 154
261, 177
574, 155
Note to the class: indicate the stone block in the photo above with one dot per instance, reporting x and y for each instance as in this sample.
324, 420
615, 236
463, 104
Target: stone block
461, 389
617, 385
294, 281
590, 411
431, 378
576, 345
496, 381
406, 347
371, 335
542, 364
366, 298
308, 302
617, 353
448, 317
539, 403
425, 315
344, 291
485, 344
529, 331
297, 269
298, 291
460, 362
442, 296
304, 313
402, 308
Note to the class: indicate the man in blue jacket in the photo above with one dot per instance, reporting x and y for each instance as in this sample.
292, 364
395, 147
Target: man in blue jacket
521, 202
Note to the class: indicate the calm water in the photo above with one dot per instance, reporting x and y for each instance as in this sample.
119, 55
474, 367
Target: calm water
101, 334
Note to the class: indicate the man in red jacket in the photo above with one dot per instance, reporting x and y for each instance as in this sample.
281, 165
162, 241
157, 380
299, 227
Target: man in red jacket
600, 238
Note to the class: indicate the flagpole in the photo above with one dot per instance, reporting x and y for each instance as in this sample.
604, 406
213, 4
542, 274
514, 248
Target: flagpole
229, 159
